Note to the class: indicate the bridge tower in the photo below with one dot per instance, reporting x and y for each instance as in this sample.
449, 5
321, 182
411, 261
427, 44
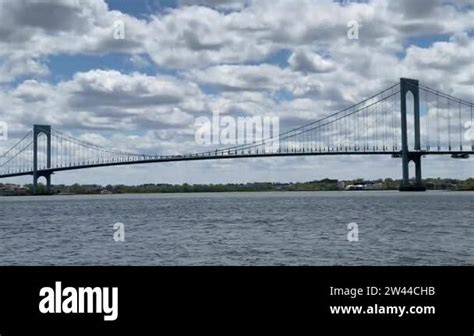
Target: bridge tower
410, 85
37, 131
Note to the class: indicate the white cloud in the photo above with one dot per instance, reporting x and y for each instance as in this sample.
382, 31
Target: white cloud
244, 77
223, 55
304, 61
32, 30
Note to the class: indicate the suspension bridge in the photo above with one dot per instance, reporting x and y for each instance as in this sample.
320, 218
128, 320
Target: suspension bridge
383, 124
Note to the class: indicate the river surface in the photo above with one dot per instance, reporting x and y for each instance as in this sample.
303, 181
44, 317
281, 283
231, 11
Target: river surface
275, 228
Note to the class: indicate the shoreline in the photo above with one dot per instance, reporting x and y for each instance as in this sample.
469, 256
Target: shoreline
242, 192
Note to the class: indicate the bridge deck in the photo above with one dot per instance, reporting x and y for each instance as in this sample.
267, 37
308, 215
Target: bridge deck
201, 157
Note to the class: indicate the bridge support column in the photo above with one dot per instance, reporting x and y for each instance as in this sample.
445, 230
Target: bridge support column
47, 176
37, 131
418, 180
406, 185
410, 85
35, 183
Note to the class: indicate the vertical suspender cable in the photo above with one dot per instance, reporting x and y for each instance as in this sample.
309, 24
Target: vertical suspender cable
437, 122
460, 128
449, 124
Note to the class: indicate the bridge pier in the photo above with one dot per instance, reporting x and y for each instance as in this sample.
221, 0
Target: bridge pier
410, 85
37, 131
47, 176
406, 185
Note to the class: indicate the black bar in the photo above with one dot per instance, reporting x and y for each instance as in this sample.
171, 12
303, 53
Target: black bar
229, 299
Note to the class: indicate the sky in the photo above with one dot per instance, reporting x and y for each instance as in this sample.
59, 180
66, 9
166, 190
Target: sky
62, 64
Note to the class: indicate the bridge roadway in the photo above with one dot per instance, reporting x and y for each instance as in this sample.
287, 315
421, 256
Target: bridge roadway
208, 156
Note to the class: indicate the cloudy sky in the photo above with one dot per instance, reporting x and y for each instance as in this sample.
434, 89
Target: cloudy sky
62, 64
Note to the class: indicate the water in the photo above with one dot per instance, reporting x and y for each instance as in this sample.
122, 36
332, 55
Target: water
433, 228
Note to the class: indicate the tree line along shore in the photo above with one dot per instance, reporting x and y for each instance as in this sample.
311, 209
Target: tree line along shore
319, 185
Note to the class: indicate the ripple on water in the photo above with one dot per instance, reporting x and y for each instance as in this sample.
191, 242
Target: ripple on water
239, 229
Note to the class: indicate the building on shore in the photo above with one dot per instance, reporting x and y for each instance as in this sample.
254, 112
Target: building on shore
363, 185
13, 189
